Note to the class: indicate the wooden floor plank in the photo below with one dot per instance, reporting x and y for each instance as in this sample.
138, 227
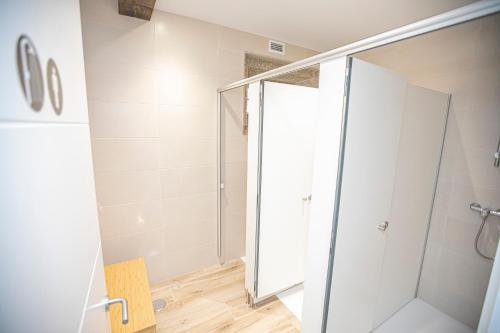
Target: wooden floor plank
213, 300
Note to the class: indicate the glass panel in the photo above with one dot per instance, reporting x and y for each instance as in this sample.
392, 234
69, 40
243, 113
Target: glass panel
233, 173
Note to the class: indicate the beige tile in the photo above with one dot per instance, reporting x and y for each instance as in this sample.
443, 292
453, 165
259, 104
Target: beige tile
186, 260
179, 152
178, 210
235, 150
231, 65
460, 235
232, 106
108, 82
199, 180
188, 122
190, 233
114, 188
186, 43
461, 278
144, 244
171, 182
235, 178
108, 44
125, 154
476, 171
156, 266
123, 120
177, 86
133, 218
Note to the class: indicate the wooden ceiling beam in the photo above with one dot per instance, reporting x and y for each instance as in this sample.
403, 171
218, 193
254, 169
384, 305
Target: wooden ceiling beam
142, 9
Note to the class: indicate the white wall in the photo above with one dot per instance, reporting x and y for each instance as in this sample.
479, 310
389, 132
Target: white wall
152, 102
464, 61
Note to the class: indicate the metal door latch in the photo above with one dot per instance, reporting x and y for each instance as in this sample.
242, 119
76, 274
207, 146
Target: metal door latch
383, 226
107, 302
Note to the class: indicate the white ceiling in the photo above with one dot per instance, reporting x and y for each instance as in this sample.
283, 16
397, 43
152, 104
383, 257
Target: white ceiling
320, 25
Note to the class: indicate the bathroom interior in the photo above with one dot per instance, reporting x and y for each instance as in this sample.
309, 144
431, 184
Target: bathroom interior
353, 194
429, 175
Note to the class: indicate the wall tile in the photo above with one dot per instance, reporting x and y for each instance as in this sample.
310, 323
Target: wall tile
177, 87
152, 103
186, 43
115, 188
123, 120
107, 82
171, 182
119, 220
177, 152
133, 246
186, 260
108, 44
125, 154
183, 121
197, 180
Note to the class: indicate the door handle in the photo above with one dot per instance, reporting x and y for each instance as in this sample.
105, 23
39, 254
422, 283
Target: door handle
383, 226
308, 198
107, 302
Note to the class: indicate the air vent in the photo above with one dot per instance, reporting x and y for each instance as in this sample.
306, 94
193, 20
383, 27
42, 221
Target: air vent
276, 47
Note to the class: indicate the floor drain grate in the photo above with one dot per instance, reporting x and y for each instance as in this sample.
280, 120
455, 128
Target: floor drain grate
159, 304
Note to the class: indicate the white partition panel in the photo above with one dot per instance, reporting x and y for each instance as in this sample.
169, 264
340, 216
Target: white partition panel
289, 120
376, 105
253, 148
331, 101
393, 142
419, 151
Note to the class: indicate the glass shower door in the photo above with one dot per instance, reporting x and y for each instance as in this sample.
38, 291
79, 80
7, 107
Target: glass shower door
232, 173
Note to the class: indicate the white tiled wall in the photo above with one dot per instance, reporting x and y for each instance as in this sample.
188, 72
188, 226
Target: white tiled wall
464, 61
152, 103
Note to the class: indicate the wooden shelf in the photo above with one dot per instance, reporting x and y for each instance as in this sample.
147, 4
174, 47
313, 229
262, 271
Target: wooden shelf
129, 279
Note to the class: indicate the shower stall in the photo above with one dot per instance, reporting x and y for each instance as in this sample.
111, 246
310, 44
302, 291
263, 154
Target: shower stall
438, 204
376, 189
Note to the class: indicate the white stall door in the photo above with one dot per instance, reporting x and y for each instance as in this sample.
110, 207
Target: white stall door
376, 104
393, 138
287, 160
50, 252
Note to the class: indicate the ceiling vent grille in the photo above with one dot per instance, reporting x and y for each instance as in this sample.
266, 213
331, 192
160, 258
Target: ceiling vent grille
276, 47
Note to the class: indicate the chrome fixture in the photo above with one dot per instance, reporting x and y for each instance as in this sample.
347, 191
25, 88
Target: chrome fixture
106, 302
308, 198
484, 212
496, 161
383, 226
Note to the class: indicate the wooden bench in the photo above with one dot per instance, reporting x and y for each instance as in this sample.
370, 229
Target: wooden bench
129, 279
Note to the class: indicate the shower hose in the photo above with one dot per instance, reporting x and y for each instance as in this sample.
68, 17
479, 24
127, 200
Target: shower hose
484, 217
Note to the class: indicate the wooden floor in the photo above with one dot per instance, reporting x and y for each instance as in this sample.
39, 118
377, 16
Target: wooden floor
213, 300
